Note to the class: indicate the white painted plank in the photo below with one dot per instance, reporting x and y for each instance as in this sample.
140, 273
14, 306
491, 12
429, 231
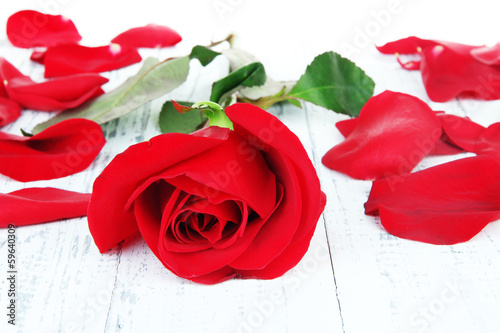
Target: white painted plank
381, 283
148, 297
69, 286
394, 285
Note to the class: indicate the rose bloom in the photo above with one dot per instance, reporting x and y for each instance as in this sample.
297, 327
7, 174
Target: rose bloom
214, 204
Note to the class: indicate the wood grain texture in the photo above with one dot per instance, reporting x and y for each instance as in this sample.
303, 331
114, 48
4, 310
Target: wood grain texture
355, 277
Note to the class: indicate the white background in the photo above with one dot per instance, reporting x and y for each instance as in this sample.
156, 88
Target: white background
356, 278
281, 27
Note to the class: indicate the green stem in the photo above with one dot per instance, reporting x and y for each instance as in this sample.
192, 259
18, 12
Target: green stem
215, 114
228, 39
266, 102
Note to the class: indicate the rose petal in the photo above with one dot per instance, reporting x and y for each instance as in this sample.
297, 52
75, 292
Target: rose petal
214, 235
460, 131
67, 59
487, 55
395, 132
443, 148
151, 35
223, 170
175, 187
284, 221
3, 92
9, 111
198, 224
346, 127
228, 172
268, 133
488, 143
7, 72
452, 69
291, 255
175, 234
57, 94
29, 28
219, 171
38, 57
413, 65
449, 72
445, 204
52, 95
409, 45
37, 205
413, 45
274, 136
109, 223
61, 150
171, 237
288, 258
183, 182
463, 131
190, 264
221, 275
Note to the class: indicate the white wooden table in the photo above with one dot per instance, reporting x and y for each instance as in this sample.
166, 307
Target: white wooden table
355, 277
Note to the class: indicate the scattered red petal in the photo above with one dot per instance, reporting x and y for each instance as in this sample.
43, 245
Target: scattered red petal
487, 55
460, 132
346, 127
394, 133
56, 94
446, 204
448, 73
151, 35
3, 92
29, 28
488, 143
61, 150
414, 45
38, 57
410, 65
37, 205
463, 131
451, 69
61, 60
409, 45
52, 95
9, 111
7, 72
443, 147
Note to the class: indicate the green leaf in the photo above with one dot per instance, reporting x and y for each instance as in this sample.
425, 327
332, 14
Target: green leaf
26, 134
267, 101
265, 95
153, 80
172, 121
239, 58
250, 75
203, 54
270, 88
335, 83
294, 102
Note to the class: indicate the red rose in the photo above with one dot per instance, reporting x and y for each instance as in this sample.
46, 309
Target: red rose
214, 204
